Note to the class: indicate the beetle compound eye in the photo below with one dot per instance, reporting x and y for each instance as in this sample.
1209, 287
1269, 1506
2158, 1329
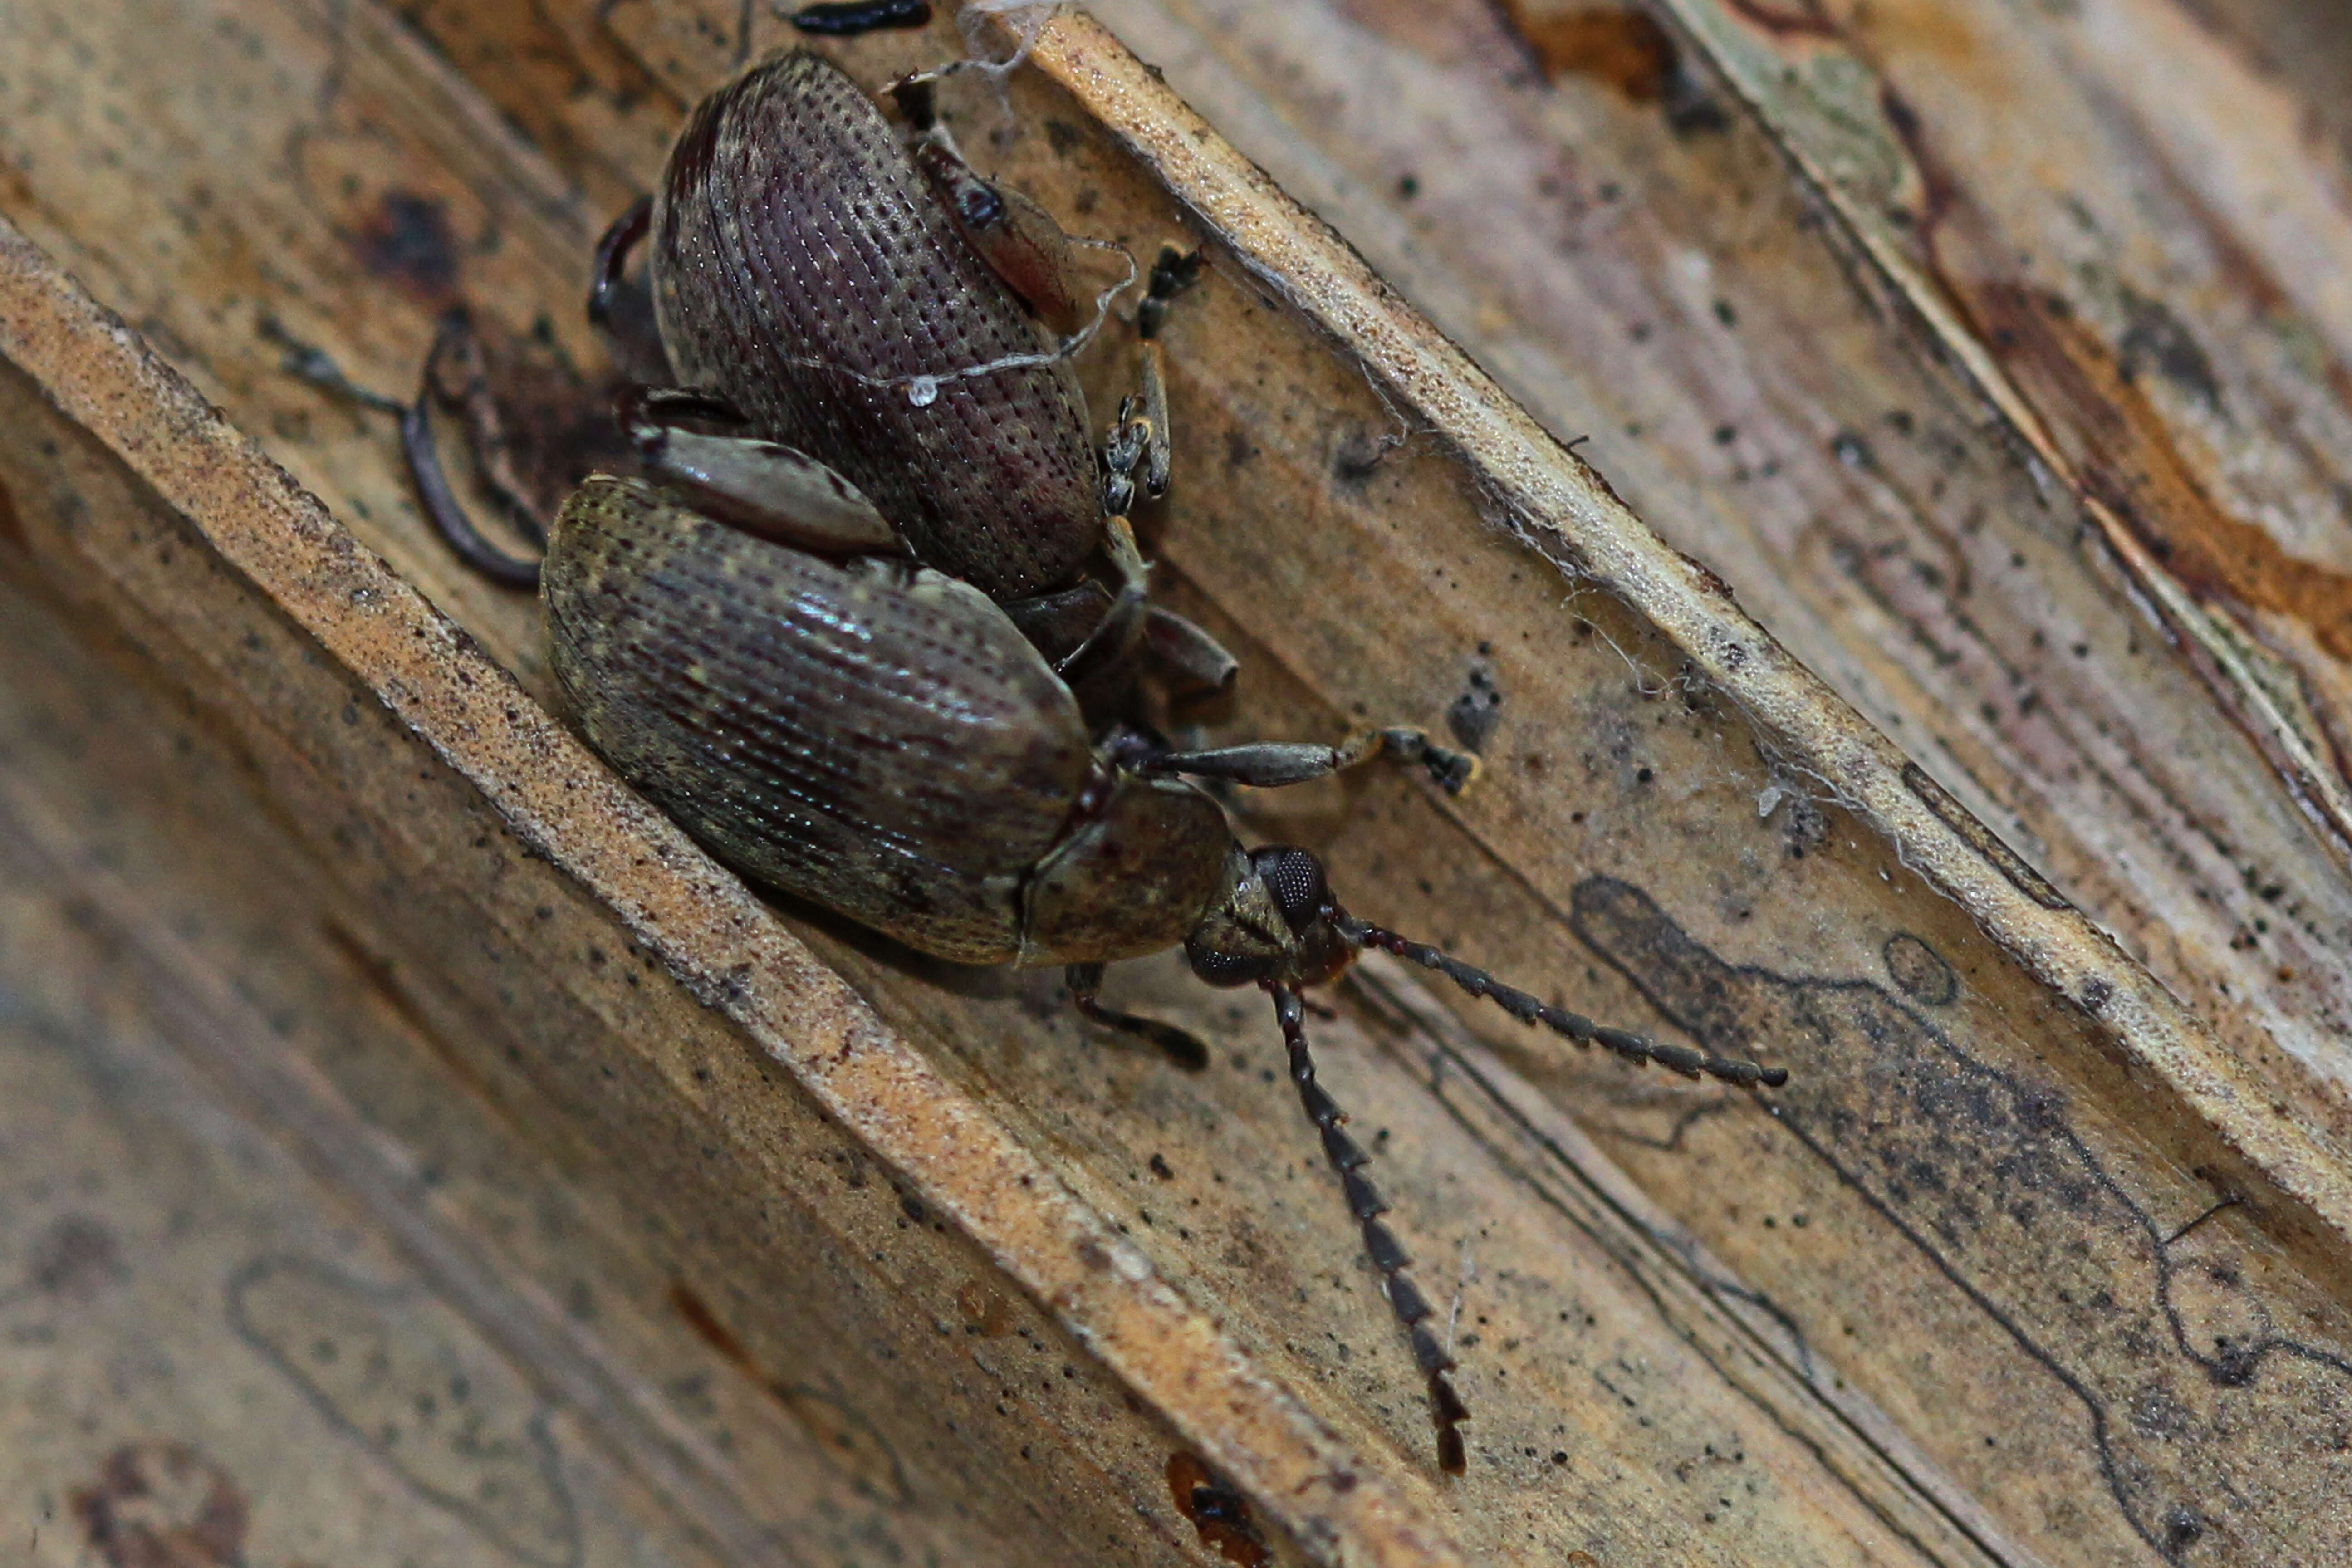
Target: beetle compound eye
1294, 877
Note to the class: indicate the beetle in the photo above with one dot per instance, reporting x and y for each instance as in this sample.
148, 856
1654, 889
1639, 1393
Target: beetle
879, 738
836, 301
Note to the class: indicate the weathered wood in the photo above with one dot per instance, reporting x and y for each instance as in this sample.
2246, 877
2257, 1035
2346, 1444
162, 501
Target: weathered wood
415, 1338
1927, 1304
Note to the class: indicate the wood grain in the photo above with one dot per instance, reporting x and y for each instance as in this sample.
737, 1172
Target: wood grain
1936, 1302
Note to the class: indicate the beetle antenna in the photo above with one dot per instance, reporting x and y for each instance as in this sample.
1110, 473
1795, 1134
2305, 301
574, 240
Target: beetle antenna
1364, 1201
1575, 1026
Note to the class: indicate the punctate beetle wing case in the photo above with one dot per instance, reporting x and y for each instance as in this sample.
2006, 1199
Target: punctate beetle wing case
800, 1236
810, 334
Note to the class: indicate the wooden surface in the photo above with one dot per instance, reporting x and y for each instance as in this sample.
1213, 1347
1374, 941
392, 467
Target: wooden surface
1936, 1302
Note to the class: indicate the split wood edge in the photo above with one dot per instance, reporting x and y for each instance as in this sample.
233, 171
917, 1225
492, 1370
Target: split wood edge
1562, 508
283, 541
713, 935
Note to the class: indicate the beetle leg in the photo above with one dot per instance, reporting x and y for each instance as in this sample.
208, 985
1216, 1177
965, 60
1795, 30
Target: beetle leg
1057, 624
1122, 625
1348, 1160
1084, 981
621, 308
1185, 651
1171, 273
1139, 452
1019, 239
454, 372
1269, 765
764, 488
1125, 450
849, 18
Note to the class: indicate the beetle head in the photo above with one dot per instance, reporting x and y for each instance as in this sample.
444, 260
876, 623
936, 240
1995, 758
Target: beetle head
1275, 925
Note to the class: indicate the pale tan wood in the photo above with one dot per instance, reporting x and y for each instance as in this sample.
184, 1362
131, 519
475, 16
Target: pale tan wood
1839, 1372
242, 1165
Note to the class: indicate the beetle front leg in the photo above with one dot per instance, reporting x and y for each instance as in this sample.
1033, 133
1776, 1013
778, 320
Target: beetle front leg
764, 488
1084, 981
1122, 627
1059, 623
1270, 765
621, 308
1138, 453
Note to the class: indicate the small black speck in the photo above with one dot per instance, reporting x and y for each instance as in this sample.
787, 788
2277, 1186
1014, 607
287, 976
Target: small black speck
1725, 314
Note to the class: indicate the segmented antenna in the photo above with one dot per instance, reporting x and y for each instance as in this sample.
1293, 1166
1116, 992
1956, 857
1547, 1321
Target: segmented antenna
1576, 1026
1381, 1245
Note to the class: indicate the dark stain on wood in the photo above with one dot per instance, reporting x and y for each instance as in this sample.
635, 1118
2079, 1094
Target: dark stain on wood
406, 242
1617, 45
163, 1505
2194, 1405
1220, 1514
2124, 458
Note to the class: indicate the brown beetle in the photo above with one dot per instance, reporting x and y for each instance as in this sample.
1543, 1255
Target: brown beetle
880, 738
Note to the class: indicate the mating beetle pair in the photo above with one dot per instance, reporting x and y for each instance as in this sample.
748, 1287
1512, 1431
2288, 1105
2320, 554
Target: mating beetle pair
840, 627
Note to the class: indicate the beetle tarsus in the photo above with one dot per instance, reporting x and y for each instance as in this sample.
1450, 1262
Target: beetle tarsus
849, 18
1084, 981
1365, 1204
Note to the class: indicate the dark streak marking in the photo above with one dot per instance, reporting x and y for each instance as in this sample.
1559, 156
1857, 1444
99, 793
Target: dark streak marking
1640, 1276
1980, 838
12, 531
1689, 1117
1984, 1172
413, 1386
850, 18
407, 244
163, 1505
1919, 971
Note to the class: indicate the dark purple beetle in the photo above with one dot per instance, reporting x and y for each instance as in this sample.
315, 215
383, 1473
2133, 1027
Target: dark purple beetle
838, 309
